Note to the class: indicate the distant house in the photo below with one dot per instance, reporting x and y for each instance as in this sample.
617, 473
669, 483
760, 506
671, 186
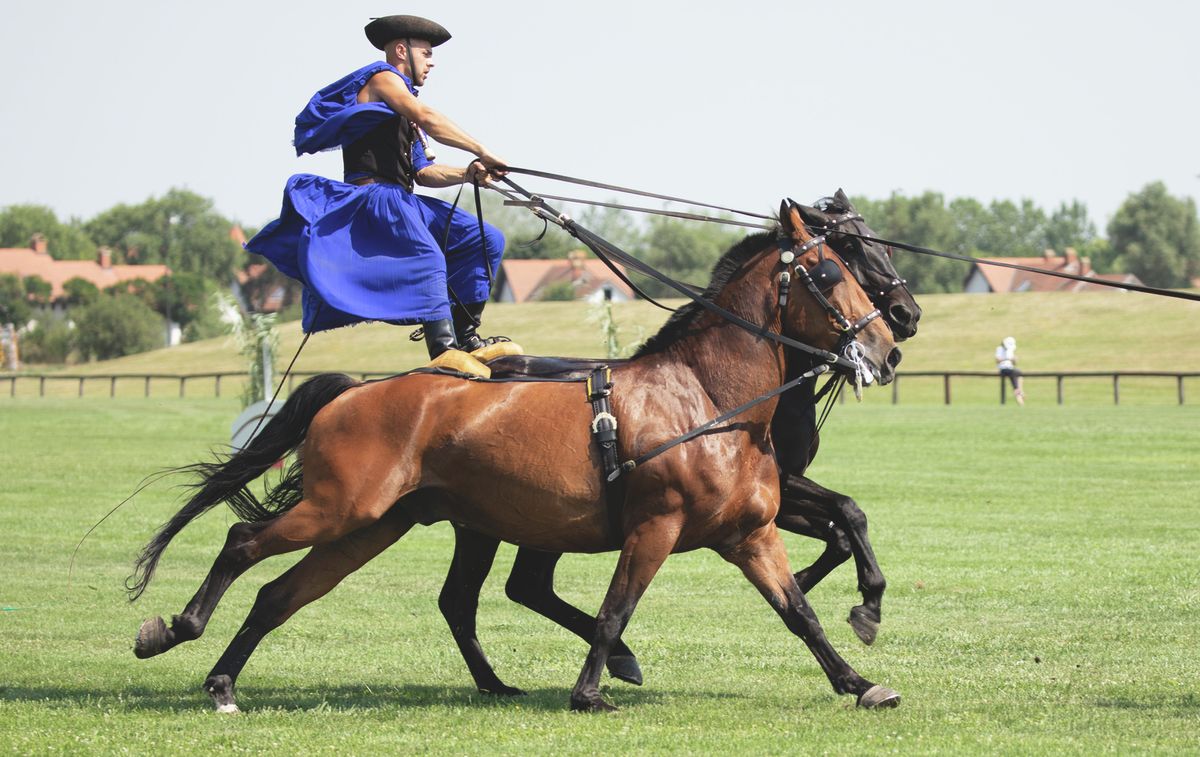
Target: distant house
983, 279
591, 280
35, 260
260, 290
259, 287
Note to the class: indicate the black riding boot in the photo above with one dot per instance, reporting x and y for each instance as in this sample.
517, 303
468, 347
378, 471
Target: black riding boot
444, 351
466, 319
439, 337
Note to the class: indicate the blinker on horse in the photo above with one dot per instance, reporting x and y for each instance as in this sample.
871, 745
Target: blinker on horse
869, 261
379, 457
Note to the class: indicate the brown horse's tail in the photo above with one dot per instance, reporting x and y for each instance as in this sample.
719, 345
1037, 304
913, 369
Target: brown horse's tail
227, 479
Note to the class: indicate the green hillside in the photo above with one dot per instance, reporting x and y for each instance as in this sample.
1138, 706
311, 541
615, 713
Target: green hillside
1069, 332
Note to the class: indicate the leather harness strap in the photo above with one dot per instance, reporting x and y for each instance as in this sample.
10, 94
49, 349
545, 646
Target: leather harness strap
629, 465
604, 431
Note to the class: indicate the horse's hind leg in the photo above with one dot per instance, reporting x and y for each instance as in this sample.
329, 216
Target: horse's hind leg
308, 580
804, 495
763, 560
246, 544
155, 637
531, 583
459, 603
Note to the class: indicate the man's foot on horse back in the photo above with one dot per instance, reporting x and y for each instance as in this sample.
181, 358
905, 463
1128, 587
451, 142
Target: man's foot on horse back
463, 362
495, 347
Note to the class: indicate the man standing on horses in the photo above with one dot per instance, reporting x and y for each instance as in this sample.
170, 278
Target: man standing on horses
367, 248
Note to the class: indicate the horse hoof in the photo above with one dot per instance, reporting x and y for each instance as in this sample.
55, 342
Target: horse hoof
591, 703
865, 626
220, 688
625, 668
502, 690
878, 697
152, 638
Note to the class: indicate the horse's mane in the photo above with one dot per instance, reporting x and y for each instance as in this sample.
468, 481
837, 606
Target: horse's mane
729, 264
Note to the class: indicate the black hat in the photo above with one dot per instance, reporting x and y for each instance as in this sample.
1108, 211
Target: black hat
383, 30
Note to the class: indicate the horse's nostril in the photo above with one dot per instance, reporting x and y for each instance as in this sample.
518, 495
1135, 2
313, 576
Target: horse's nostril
903, 320
893, 357
900, 314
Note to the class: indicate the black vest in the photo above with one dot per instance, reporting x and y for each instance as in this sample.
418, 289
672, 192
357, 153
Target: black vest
384, 153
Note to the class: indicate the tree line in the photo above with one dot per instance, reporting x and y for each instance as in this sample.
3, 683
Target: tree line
1153, 235
181, 230
100, 324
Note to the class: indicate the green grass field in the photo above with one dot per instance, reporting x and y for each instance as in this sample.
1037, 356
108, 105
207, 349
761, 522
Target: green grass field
1044, 587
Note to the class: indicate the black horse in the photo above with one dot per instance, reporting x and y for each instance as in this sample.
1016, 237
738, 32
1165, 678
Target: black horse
806, 507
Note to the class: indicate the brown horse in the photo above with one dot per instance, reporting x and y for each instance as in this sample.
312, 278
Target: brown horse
806, 507
515, 461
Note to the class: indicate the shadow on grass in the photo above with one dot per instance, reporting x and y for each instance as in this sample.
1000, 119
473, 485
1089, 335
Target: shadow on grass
358, 697
1159, 702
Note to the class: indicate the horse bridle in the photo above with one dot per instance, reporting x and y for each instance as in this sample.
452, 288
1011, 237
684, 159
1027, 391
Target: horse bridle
818, 280
832, 228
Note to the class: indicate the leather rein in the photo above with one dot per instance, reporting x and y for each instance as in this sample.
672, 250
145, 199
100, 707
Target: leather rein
610, 254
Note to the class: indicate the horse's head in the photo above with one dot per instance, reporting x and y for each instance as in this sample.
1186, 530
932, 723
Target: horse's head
869, 261
827, 307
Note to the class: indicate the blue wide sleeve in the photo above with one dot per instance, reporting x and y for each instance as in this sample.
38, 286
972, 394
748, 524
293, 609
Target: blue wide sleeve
334, 118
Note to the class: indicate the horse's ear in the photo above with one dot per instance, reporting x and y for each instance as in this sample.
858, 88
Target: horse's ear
790, 220
812, 216
784, 208
843, 200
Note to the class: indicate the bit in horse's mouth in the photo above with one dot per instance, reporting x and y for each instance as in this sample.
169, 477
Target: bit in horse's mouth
866, 371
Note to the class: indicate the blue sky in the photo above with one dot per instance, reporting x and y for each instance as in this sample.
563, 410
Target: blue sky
732, 103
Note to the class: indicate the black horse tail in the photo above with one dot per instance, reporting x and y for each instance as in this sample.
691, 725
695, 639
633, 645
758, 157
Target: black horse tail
227, 478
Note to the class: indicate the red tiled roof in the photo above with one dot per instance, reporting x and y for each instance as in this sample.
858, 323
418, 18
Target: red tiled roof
527, 278
1012, 280
22, 262
252, 271
265, 300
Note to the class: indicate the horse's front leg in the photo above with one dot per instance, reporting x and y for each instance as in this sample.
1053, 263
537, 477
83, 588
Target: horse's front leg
646, 548
837, 546
802, 496
531, 583
459, 603
763, 560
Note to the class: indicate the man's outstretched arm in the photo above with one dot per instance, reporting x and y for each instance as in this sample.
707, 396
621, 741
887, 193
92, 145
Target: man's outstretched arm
387, 87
